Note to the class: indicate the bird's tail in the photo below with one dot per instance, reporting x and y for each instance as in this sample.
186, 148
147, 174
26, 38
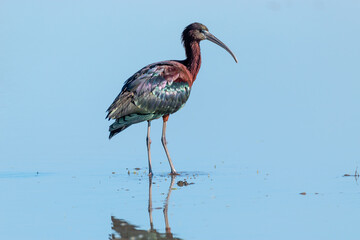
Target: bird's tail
116, 131
124, 122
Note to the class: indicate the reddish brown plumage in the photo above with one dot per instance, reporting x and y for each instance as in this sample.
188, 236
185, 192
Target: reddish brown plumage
177, 72
186, 70
166, 117
193, 59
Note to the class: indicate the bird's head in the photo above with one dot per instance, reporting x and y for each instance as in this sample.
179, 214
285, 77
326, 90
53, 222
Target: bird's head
198, 32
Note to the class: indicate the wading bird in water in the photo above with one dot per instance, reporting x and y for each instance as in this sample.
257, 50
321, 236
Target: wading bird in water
160, 89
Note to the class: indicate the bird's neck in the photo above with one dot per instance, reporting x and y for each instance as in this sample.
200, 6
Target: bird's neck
193, 58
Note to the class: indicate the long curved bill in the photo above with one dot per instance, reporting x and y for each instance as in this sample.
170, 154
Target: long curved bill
213, 39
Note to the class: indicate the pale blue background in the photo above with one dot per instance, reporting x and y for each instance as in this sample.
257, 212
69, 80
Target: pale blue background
284, 120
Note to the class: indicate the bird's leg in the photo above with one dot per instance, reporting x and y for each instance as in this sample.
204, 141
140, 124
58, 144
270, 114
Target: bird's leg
163, 140
148, 143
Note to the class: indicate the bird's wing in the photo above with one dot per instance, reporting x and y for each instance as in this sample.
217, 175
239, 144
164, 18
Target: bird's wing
156, 89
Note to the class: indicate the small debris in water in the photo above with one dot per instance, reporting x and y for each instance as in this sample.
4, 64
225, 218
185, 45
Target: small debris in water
128, 172
113, 173
356, 174
183, 183
303, 193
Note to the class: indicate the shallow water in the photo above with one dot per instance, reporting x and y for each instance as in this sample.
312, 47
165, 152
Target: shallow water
215, 205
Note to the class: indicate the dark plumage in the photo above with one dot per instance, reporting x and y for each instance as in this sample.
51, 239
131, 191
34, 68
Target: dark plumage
154, 91
160, 89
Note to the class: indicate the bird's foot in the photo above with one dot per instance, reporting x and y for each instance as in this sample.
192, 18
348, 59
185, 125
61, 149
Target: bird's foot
174, 173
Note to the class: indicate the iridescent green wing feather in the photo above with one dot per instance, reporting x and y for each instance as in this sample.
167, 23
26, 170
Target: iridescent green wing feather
161, 96
147, 91
147, 95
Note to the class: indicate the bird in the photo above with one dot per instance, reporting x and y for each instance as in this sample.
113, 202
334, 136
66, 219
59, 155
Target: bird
161, 89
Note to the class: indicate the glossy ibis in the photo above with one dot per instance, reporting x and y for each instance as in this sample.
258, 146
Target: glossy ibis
160, 89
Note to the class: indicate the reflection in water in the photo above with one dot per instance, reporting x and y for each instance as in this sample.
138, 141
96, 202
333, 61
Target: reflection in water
129, 231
